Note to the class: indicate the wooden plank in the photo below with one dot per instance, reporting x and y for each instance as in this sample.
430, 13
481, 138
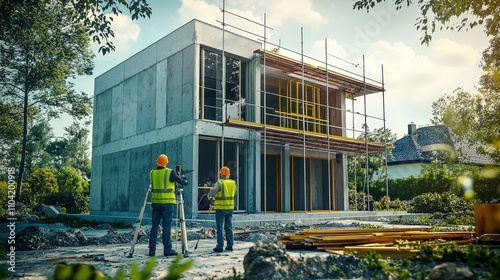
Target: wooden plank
363, 230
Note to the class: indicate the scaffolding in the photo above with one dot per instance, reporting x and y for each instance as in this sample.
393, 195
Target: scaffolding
309, 132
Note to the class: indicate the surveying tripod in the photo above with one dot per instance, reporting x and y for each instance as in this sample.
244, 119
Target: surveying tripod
181, 218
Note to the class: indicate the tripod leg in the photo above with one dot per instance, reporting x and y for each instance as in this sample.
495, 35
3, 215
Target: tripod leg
138, 224
183, 227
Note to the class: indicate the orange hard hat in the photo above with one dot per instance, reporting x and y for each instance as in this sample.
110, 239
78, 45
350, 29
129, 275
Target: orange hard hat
224, 171
162, 160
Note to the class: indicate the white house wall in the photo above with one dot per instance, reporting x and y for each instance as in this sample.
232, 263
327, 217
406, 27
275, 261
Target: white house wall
404, 170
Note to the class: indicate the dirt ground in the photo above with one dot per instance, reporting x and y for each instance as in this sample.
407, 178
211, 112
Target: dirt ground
40, 264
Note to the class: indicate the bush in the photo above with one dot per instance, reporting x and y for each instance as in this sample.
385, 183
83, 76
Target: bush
394, 205
441, 203
25, 196
358, 201
74, 202
71, 179
4, 187
42, 184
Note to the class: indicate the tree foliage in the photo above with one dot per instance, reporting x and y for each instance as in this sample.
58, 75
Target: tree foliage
42, 184
39, 136
94, 16
376, 163
70, 180
72, 149
473, 118
450, 15
41, 49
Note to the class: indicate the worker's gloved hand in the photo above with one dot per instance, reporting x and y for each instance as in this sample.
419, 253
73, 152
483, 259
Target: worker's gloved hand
185, 183
211, 200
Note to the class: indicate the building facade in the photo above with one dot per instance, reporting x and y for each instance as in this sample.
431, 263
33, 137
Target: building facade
207, 97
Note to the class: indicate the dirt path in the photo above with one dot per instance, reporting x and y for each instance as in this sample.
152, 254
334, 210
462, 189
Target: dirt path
207, 264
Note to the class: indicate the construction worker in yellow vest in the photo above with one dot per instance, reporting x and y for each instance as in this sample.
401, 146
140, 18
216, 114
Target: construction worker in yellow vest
163, 201
222, 197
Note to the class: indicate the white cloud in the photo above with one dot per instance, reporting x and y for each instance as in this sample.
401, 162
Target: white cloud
126, 32
446, 52
278, 13
335, 52
412, 80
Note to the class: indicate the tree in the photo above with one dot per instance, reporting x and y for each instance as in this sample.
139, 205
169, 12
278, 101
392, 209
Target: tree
468, 14
71, 180
473, 118
90, 14
72, 149
42, 184
39, 136
10, 132
41, 48
376, 163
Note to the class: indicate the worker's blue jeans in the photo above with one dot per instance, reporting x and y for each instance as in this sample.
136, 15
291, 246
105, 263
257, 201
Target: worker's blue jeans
163, 212
223, 220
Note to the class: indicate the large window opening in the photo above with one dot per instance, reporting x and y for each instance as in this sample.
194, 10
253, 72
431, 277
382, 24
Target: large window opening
270, 184
318, 192
288, 107
210, 161
211, 79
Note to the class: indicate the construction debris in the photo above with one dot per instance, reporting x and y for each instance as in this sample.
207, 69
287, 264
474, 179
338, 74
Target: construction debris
388, 242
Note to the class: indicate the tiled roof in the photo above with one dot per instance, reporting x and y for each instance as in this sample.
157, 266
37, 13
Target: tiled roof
418, 147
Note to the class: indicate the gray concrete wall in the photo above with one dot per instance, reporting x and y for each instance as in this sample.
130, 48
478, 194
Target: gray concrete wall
148, 105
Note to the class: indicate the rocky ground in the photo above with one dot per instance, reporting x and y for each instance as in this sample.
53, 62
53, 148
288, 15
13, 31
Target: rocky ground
256, 255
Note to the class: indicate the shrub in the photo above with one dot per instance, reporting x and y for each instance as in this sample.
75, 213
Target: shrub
70, 179
394, 205
358, 201
74, 202
42, 184
3, 200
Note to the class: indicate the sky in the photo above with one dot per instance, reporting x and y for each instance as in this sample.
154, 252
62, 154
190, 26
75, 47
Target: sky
414, 75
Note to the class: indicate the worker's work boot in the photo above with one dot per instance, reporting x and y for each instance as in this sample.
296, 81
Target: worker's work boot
218, 250
170, 253
229, 248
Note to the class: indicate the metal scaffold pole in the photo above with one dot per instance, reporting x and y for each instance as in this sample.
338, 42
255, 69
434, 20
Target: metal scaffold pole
383, 108
355, 161
223, 79
265, 122
366, 139
328, 127
303, 116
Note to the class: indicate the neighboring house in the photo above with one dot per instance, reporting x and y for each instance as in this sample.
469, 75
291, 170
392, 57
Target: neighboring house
174, 98
427, 144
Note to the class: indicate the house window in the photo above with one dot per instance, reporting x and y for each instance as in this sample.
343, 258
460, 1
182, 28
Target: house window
211, 159
211, 87
285, 104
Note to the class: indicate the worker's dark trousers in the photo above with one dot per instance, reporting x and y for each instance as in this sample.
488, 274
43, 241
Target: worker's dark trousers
163, 212
223, 220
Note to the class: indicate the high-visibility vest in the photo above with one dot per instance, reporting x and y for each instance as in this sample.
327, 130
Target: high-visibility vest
224, 199
163, 191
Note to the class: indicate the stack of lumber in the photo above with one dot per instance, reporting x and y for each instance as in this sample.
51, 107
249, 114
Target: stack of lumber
388, 242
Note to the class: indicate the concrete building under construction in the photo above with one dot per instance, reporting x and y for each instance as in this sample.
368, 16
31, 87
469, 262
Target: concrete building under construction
209, 97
